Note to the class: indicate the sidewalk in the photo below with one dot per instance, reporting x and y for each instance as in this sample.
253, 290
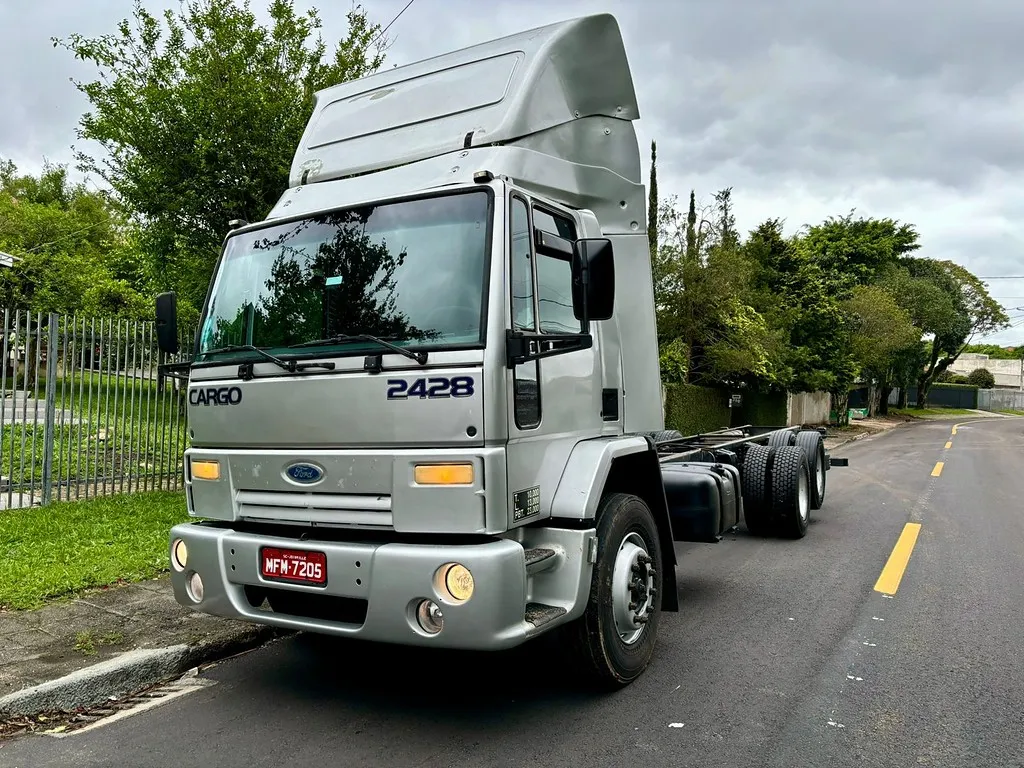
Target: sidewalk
861, 428
106, 644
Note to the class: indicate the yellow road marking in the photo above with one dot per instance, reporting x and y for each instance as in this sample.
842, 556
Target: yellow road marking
949, 444
889, 581
954, 429
938, 468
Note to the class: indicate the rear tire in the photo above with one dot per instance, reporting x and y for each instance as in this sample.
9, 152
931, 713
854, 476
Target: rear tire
779, 439
790, 489
814, 446
614, 640
755, 478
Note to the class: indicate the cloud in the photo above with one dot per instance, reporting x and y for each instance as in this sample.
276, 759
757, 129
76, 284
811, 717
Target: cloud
806, 109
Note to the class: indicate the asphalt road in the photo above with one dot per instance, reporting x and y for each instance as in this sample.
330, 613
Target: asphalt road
783, 655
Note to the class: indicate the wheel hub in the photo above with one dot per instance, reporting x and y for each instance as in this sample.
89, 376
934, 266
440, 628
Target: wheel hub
803, 499
633, 588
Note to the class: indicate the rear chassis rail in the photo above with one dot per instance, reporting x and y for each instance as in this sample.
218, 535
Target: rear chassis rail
727, 445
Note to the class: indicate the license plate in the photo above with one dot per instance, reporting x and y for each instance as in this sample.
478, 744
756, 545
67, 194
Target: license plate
294, 565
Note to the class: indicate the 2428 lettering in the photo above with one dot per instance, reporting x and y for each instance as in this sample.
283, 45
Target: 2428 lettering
433, 388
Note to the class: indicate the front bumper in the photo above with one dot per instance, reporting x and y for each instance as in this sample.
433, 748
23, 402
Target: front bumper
372, 589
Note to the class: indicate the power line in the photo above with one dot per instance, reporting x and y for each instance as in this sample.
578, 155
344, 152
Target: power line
397, 17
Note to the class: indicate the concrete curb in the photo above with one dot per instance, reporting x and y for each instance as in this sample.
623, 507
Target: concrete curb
128, 673
874, 433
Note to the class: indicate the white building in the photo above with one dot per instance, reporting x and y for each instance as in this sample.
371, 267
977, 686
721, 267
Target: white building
1006, 372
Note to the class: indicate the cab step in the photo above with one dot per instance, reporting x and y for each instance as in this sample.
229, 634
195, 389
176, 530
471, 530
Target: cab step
539, 614
539, 559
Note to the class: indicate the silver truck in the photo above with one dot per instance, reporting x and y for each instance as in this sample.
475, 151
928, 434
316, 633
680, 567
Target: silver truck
424, 399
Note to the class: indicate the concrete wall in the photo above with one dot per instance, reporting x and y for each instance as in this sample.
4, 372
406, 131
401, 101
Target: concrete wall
1006, 372
812, 408
1001, 399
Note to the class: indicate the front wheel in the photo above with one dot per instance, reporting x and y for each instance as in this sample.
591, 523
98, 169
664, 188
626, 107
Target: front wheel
614, 639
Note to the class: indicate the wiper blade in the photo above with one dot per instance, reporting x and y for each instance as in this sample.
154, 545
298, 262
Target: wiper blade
245, 369
419, 357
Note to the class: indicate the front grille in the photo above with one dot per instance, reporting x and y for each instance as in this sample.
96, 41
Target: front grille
318, 509
307, 605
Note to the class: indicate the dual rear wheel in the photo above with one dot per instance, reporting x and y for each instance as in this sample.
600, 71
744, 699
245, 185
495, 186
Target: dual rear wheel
782, 482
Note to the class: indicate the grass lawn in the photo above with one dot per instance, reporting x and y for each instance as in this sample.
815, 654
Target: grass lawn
931, 413
125, 429
54, 551
1011, 412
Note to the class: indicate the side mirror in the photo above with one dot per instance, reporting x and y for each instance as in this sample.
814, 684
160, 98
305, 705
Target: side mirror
593, 279
167, 322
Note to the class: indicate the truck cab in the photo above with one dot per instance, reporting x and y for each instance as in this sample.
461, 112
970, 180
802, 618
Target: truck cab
424, 391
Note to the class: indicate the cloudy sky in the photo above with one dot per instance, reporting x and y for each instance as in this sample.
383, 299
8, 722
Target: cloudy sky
903, 108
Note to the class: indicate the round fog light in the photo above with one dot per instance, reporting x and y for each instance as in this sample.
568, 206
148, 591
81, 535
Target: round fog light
195, 588
458, 582
179, 555
429, 616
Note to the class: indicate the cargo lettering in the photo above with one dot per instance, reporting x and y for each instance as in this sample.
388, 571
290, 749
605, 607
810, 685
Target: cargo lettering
215, 396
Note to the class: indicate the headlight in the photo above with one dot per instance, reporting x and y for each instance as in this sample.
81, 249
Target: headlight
179, 555
455, 581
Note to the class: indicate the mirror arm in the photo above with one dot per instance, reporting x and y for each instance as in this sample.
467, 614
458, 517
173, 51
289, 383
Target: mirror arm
585, 284
524, 348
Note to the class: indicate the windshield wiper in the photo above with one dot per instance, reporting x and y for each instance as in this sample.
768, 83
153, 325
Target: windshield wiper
419, 357
291, 365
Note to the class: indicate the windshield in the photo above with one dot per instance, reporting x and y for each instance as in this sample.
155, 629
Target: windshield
411, 272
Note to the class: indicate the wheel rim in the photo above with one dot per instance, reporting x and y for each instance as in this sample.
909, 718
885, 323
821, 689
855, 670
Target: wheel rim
633, 588
819, 476
803, 498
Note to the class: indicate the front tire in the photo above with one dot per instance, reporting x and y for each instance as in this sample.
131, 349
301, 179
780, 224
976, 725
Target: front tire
614, 639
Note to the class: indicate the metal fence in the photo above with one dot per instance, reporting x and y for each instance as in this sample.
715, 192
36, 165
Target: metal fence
1001, 399
942, 396
84, 410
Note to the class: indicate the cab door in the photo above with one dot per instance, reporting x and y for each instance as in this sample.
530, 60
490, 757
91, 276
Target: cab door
554, 402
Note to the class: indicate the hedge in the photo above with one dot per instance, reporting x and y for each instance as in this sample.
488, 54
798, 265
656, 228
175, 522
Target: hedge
693, 410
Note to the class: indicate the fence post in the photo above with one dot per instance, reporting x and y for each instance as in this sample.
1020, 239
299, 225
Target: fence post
49, 438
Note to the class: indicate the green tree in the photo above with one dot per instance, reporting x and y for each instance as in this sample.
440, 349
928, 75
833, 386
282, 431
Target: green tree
831, 260
959, 308
200, 115
652, 204
883, 334
706, 321
794, 291
852, 251
74, 248
691, 228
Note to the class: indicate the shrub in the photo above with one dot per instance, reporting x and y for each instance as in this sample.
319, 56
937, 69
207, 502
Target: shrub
982, 378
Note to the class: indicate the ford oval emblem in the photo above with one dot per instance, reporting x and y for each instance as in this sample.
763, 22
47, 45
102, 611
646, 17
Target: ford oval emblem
307, 474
